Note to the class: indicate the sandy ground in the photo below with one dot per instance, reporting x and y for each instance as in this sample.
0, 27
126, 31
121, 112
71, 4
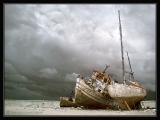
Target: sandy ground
51, 108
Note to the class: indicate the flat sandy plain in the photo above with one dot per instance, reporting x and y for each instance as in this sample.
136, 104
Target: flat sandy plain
52, 108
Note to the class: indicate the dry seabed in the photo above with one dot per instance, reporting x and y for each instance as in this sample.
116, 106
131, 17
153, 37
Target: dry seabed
45, 107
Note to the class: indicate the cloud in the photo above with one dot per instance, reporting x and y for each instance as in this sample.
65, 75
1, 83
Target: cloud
71, 77
45, 44
9, 68
48, 72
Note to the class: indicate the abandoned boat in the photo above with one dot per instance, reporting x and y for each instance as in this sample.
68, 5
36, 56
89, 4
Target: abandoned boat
91, 93
131, 92
101, 91
127, 96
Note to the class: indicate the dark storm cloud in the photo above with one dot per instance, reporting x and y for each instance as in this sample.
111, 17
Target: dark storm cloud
46, 46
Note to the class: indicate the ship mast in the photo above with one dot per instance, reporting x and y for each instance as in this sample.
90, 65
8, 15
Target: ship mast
131, 73
105, 68
120, 29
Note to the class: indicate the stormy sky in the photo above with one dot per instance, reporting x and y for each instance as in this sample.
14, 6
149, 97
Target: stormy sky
47, 45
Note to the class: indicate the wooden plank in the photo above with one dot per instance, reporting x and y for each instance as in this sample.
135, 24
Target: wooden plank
127, 105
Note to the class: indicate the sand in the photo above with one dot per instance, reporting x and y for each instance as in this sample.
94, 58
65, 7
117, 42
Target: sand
51, 108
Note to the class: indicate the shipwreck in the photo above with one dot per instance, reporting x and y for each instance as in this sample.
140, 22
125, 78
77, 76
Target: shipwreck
101, 91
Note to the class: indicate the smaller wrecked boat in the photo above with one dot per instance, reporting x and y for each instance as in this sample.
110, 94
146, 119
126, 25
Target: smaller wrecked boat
67, 102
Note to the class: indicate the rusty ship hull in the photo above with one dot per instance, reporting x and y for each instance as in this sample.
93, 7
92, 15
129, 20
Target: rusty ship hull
89, 98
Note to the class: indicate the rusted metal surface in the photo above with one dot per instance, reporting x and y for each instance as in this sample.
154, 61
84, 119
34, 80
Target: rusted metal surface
89, 98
